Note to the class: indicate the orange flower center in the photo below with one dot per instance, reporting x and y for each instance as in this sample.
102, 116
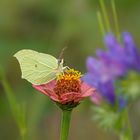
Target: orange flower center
69, 81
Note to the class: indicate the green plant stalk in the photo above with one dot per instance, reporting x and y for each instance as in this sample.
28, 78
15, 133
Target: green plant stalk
115, 19
105, 15
17, 111
65, 124
127, 134
101, 25
23, 127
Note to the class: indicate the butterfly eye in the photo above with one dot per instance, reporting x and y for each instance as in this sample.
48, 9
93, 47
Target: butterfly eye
60, 61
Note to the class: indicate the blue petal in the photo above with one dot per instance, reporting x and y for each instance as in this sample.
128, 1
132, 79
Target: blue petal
122, 102
132, 52
114, 65
110, 41
115, 49
93, 65
90, 79
108, 91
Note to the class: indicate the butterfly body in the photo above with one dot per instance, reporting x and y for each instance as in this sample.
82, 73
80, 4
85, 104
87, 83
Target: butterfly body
38, 68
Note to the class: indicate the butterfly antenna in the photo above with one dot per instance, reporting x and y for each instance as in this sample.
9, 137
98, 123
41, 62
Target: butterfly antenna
62, 52
61, 55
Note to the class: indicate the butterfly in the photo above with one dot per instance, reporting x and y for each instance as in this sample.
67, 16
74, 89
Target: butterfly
39, 68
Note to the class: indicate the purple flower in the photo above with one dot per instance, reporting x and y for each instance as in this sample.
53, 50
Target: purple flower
126, 54
107, 90
132, 52
112, 64
122, 102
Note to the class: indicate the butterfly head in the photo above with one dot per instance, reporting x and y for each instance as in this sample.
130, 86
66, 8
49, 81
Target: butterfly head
60, 63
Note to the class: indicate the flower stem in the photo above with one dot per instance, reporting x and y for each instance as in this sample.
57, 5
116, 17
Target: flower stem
127, 134
23, 135
17, 109
115, 19
129, 126
65, 124
101, 24
105, 15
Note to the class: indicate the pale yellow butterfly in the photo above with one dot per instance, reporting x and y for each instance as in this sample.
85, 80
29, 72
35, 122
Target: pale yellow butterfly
38, 68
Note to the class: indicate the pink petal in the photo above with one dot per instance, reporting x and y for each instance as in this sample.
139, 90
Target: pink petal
87, 90
40, 88
77, 97
69, 97
96, 98
49, 86
54, 98
47, 89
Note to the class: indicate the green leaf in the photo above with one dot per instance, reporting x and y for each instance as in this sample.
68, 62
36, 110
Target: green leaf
17, 109
130, 86
106, 118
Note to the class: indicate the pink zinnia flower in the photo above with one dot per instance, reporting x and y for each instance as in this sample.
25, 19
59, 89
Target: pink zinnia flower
67, 89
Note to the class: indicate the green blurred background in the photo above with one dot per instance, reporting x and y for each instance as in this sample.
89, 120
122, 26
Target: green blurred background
48, 26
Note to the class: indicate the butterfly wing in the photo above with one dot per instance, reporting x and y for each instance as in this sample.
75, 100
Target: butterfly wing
37, 68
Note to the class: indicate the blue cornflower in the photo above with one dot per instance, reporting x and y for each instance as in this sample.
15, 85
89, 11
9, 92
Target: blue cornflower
111, 65
132, 52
